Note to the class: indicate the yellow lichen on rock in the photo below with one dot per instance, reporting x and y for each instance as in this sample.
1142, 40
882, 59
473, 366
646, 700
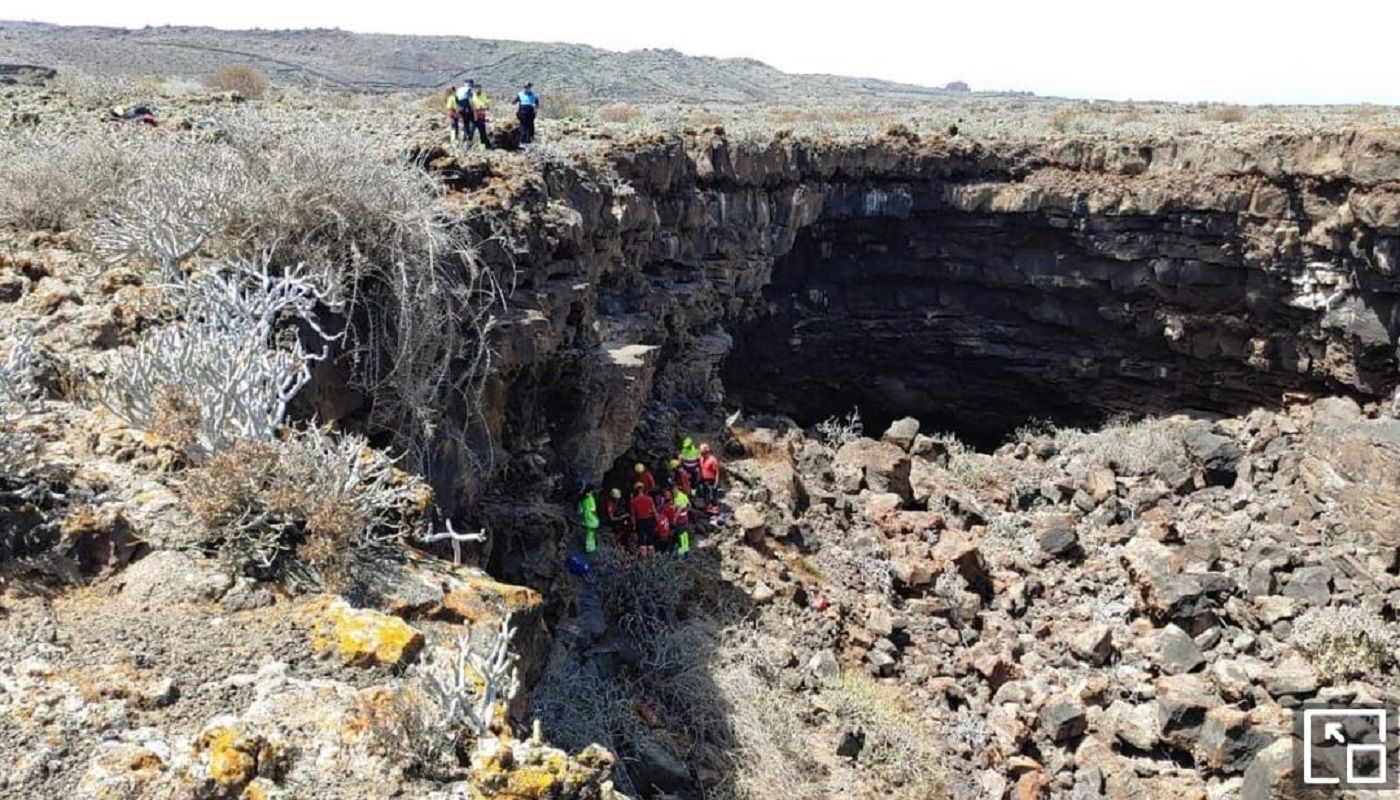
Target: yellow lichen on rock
362, 636
232, 755
528, 771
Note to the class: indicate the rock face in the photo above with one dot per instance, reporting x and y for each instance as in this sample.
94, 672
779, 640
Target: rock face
963, 283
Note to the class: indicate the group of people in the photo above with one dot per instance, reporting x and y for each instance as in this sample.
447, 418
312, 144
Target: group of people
655, 514
468, 109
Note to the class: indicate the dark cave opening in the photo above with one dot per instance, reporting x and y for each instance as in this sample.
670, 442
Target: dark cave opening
977, 324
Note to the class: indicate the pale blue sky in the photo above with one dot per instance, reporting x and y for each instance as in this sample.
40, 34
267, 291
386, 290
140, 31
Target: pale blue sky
1247, 51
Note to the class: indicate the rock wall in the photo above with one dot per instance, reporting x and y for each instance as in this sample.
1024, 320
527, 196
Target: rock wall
1068, 277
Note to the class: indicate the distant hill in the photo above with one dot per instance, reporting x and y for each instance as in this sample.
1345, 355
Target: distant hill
382, 62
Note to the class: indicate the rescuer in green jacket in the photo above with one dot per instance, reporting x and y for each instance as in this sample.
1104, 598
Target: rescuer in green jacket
588, 515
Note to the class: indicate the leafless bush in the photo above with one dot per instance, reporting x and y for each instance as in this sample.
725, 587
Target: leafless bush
241, 78
53, 180
422, 303
222, 365
1345, 642
18, 397
302, 507
1226, 114
835, 431
965, 464
166, 215
370, 224
621, 113
1130, 447
562, 105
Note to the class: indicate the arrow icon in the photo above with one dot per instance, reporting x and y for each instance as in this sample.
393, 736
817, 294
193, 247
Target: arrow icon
1333, 731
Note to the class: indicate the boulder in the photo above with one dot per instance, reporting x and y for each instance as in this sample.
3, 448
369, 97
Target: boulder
1135, 726
1215, 455
1310, 584
1269, 775
1093, 643
1230, 738
878, 466
1058, 537
656, 764
901, 433
1163, 595
1172, 651
1063, 719
1182, 703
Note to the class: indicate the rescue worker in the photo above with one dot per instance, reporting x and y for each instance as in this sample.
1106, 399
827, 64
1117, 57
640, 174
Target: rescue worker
664, 516
588, 515
680, 520
681, 476
454, 119
644, 517
528, 104
479, 106
709, 479
464, 111
619, 516
690, 460
643, 476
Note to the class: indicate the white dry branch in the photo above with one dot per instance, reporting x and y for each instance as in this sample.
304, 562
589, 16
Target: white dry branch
455, 538
467, 684
18, 394
223, 357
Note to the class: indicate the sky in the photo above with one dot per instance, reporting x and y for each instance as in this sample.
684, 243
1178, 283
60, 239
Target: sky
1238, 51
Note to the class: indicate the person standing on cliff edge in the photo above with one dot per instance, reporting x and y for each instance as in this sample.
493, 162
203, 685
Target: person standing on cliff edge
528, 105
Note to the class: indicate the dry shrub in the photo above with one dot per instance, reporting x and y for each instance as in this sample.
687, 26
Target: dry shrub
706, 119
1064, 118
1129, 115
370, 224
240, 78
302, 508
1226, 114
561, 105
1130, 447
794, 116
621, 113
55, 181
1345, 642
897, 748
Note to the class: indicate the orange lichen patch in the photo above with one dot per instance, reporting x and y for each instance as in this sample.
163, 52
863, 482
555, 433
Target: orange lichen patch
375, 707
362, 636
516, 598
500, 777
485, 601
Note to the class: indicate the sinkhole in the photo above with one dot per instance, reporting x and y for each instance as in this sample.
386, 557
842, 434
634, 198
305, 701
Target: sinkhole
976, 324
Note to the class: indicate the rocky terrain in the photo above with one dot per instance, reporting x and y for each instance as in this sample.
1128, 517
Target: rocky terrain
1128, 496
381, 62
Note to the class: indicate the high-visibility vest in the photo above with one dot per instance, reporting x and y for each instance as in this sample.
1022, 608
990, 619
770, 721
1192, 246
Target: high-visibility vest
681, 503
588, 511
479, 105
528, 100
689, 452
